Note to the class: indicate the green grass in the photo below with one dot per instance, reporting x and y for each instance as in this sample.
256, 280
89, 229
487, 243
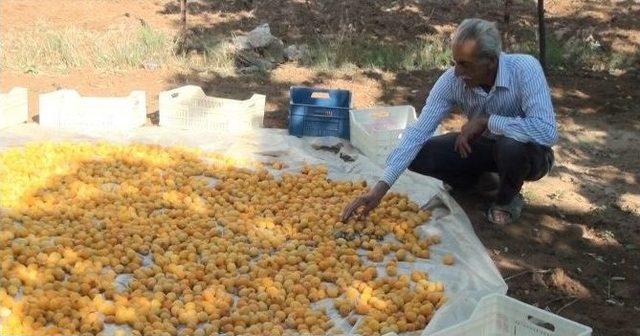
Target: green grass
215, 54
555, 51
147, 45
420, 55
53, 49
575, 53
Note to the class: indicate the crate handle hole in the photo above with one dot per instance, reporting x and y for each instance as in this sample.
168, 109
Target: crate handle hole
320, 95
541, 323
175, 94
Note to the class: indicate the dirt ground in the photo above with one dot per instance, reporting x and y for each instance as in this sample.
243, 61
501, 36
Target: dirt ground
576, 250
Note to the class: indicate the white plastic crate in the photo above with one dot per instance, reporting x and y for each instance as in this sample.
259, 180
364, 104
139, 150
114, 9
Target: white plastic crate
14, 107
376, 131
500, 315
188, 107
66, 109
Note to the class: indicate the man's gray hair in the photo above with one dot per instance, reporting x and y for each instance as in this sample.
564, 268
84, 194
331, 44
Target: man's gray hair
485, 34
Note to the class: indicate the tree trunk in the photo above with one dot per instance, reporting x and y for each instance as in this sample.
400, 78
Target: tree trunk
183, 15
542, 35
507, 24
181, 42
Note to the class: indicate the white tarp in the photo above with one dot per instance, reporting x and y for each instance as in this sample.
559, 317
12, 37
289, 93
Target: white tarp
473, 276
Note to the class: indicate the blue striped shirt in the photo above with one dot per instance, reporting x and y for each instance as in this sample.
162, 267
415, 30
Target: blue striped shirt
518, 105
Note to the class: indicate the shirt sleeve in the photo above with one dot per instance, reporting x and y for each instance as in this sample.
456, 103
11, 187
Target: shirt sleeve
439, 103
538, 123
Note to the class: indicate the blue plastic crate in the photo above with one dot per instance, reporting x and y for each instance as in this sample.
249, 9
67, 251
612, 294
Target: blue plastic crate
319, 112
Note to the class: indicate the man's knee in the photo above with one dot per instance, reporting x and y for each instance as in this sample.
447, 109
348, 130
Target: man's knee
425, 162
510, 151
530, 161
430, 158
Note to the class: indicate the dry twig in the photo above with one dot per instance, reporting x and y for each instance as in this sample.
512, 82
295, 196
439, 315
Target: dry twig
567, 305
526, 272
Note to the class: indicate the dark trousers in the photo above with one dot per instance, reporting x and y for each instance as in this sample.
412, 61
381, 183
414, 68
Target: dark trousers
515, 162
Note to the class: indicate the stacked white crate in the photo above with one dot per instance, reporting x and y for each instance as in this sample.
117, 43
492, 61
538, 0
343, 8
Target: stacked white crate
14, 107
500, 315
66, 109
376, 131
188, 107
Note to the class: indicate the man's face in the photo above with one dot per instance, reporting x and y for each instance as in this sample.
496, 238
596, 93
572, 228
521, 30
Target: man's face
468, 67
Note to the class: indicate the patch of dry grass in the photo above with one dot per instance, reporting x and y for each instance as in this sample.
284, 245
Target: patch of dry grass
44, 48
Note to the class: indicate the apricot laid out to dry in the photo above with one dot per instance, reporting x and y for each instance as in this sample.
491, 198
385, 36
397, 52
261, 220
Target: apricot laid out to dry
249, 254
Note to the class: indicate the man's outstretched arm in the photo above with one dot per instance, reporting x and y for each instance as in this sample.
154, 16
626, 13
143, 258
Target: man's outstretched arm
439, 103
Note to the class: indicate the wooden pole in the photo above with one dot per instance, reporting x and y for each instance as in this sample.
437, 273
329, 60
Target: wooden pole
181, 41
183, 15
542, 35
507, 23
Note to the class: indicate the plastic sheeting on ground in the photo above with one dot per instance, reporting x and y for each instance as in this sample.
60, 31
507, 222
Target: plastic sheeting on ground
473, 276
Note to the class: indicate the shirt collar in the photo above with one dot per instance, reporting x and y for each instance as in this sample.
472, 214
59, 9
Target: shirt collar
503, 78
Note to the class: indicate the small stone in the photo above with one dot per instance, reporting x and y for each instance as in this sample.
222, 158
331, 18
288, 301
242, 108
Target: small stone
538, 279
252, 59
297, 53
331, 144
348, 153
274, 51
150, 65
241, 43
260, 37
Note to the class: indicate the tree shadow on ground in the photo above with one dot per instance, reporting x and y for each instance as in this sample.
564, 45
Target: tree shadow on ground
548, 257
296, 21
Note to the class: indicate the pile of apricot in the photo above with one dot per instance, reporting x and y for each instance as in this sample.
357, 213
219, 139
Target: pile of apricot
211, 244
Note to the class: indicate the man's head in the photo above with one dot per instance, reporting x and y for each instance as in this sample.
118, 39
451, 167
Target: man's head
476, 48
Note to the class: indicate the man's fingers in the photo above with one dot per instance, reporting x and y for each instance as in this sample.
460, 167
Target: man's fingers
350, 209
467, 147
456, 145
462, 146
347, 213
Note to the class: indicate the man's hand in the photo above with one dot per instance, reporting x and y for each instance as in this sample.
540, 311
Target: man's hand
368, 202
470, 132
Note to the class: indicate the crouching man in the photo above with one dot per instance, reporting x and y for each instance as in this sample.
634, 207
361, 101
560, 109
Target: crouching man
509, 133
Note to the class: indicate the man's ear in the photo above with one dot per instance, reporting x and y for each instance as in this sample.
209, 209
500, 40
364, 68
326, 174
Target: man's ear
494, 62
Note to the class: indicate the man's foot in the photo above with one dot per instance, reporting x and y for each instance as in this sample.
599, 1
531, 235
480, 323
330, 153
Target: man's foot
505, 214
501, 217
